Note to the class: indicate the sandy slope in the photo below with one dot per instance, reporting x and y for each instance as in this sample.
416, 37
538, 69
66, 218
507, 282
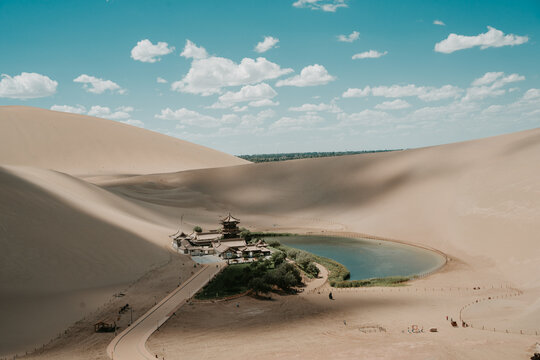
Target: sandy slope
78, 144
67, 246
477, 201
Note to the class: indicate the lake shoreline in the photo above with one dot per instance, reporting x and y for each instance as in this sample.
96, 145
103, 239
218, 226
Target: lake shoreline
369, 241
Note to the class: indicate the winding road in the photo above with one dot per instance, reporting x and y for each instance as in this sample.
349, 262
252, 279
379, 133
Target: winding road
130, 343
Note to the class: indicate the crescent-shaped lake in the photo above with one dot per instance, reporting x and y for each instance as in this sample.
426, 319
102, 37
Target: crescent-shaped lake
367, 258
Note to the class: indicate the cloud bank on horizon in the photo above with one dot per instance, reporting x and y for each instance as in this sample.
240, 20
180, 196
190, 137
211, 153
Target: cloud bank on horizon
327, 88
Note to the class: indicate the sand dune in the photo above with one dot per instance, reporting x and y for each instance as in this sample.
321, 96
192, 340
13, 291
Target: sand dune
476, 200
85, 145
67, 246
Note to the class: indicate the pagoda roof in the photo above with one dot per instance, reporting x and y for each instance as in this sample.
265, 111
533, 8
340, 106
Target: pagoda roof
178, 234
230, 218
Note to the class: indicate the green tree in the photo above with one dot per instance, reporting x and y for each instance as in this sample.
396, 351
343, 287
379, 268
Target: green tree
303, 260
259, 285
312, 269
292, 253
197, 229
245, 234
278, 257
284, 276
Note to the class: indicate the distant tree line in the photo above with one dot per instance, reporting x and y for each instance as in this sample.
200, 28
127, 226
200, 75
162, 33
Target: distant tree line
307, 155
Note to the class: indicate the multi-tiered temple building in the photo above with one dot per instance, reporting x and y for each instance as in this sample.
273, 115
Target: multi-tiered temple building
225, 242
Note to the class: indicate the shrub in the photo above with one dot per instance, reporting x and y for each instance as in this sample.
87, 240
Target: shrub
312, 269
284, 276
303, 260
197, 229
245, 234
386, 281
259, 285
278, 257
274, 243
292, 253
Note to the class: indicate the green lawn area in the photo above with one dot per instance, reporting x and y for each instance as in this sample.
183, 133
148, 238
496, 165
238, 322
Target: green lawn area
261, 276
227, 283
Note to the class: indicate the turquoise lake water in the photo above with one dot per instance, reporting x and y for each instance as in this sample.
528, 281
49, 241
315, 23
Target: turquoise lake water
367, 259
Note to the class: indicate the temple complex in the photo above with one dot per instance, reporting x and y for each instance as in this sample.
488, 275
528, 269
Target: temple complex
225, 242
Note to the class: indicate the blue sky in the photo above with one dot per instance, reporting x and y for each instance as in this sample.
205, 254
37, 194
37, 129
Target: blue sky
405, 74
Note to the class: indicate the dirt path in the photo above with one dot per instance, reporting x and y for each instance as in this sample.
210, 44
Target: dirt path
130, 344
317, 283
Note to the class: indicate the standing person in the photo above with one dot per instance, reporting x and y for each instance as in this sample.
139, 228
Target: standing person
330, 296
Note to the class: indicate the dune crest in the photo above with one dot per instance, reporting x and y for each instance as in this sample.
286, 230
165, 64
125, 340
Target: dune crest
85, 145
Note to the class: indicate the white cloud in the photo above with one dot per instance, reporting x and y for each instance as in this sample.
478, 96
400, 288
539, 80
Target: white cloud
316, 107
349, 38
393, 105
365, 117
425, 93
193, 118
497, 79
482, 92
120, 113
311, 75
490, 85
371, 54
527, 108
263, 102
189, 117
438, 22
98, 86
532, 94
324, 5
297, 123
487, 78
145, 51
209, 75
79, 109
161, 80
132, 122
265, 45
192, 51
240, 108
26, 86
396, 91
249, 93
491, 38
444, 92
354, 92
250, 120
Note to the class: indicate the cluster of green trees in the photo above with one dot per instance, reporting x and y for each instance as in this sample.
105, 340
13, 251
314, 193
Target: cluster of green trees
261, 276
306, 155
385, 281
252, 236
336, 272
305, 261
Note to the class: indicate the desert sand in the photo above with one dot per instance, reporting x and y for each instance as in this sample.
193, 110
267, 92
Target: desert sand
86, 145
477, 201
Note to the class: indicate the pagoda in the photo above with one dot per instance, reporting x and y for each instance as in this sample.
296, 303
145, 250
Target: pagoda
230, 227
